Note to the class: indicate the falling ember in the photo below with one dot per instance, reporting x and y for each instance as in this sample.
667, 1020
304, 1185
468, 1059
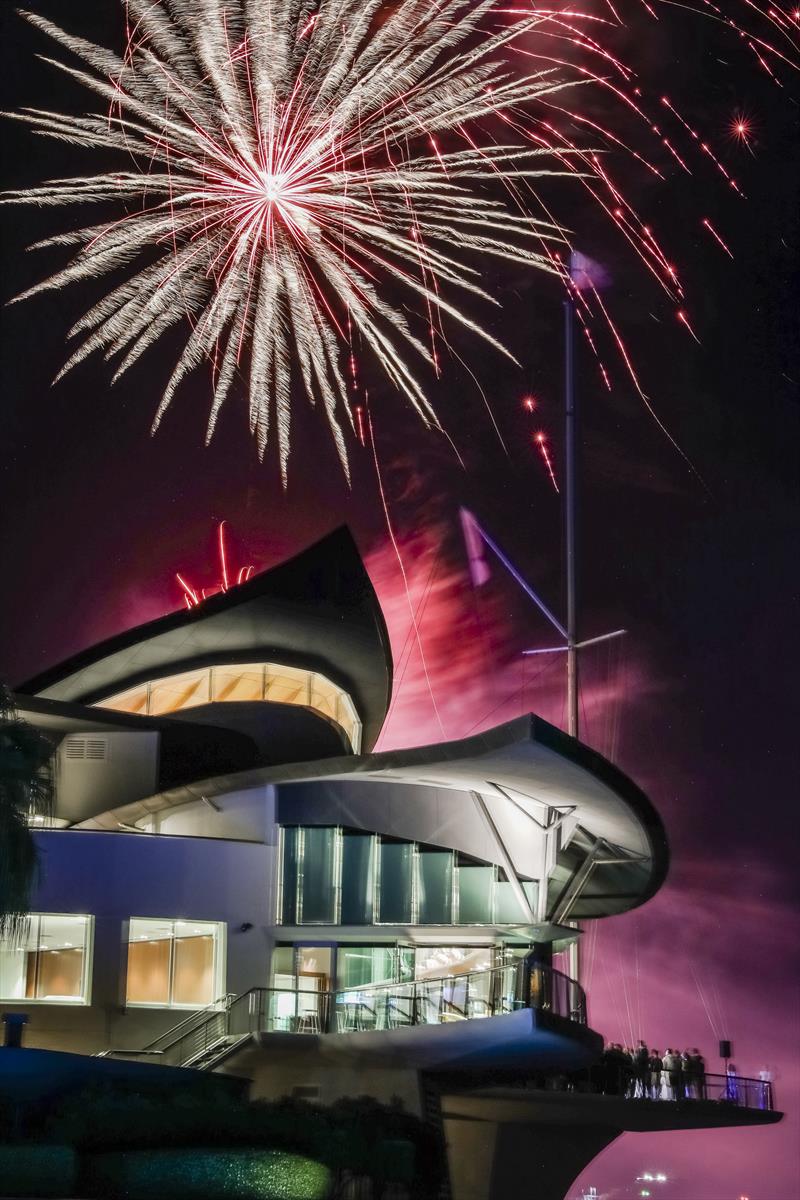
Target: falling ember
716, 236
194, 596
541, 442
360, 424
529, 404
684, 320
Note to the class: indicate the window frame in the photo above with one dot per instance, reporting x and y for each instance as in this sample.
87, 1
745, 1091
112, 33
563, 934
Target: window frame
87, 971
219, 967
459, 861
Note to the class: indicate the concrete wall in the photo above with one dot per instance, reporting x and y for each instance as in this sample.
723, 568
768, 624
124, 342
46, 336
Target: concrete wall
316, 1068
127, 771
240, 816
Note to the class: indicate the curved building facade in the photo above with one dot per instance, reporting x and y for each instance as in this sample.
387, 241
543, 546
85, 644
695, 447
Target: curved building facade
230, 864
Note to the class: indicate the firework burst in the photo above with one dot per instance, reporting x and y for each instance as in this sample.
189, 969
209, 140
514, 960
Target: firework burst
307, 179
289, 162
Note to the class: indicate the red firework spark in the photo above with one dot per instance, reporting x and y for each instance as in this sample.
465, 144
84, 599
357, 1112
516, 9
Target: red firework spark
194, 596
297, 163
540, 440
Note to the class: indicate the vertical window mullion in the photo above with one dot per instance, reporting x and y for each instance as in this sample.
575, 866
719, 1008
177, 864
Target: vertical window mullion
171, 967
337, 875
414, 883
37, 962
279, 889
301, 848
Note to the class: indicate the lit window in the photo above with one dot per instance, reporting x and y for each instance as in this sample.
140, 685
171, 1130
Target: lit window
239, 684
49, 961
133, 700
288, 685
435, 887
330, 876
311, 875
475, 892
433, 962
247, 682
175, 964
396, 882
179, 691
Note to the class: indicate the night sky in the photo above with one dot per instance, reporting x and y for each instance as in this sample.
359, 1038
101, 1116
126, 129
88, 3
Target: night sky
697, 702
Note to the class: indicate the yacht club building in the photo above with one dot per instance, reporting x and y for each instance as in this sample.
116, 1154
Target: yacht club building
231, 865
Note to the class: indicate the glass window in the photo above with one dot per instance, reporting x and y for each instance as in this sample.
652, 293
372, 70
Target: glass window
358, 878
324, 696
435, 962
396, 882
179, 691
359, 966
287, 685
240, 684
405, 963
48, 961
434, 887
319, 875
134, 700
507, 909
475, 894
283, 968
314, 968
290, 843
174, 964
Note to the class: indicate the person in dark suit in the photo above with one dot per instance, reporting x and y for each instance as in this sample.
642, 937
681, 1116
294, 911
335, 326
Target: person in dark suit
655, 1068
641, 1069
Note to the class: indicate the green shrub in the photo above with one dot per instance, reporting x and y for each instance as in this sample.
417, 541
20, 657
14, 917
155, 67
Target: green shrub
204, 1174
36, 1170
355, 1134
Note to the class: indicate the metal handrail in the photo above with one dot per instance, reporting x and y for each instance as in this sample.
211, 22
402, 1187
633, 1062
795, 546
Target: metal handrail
474, 994
740, 1091
173, 1033
547, 987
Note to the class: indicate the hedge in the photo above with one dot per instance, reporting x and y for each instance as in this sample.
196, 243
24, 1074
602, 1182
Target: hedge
37, 1170
200, 1174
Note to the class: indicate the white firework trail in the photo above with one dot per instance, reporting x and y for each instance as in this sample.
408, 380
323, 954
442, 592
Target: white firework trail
299, 168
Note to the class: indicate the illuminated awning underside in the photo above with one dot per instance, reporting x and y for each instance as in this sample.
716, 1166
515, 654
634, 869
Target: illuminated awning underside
610, 853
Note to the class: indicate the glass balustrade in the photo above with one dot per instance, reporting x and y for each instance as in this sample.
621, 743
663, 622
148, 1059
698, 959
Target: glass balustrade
453, 998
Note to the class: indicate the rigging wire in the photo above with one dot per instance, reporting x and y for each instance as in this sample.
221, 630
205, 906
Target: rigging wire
404, 658
402, 571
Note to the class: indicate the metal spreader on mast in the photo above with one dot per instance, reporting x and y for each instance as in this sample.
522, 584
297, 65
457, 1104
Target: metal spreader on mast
583, 273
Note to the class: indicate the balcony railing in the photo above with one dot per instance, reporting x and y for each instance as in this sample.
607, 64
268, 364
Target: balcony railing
441, 1001
204, 1037
668, 1087
199, 1038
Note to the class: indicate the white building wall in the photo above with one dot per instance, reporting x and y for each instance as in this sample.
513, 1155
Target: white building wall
118, 876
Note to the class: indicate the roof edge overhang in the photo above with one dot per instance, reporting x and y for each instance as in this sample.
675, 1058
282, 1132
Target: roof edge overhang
447, 761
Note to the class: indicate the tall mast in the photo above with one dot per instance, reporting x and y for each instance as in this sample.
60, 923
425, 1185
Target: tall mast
570, 539
571, 516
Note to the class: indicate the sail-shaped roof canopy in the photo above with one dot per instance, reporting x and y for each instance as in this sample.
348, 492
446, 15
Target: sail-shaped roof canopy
317, 611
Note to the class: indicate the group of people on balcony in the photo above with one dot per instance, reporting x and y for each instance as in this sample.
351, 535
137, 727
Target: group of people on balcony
639, 1073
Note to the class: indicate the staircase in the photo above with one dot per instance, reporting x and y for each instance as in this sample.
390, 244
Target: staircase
206, 1038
